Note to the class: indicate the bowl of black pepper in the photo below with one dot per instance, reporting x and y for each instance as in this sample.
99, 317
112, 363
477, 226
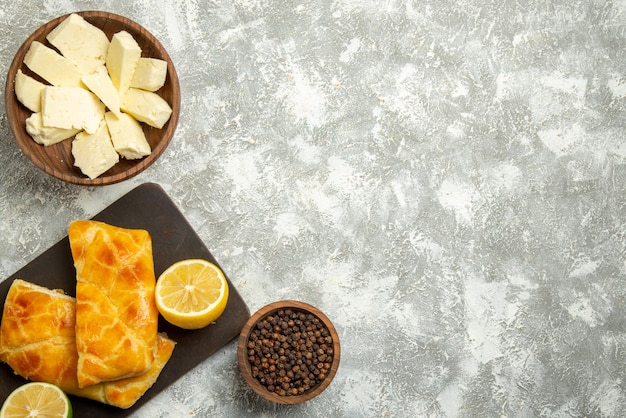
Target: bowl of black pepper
288, 352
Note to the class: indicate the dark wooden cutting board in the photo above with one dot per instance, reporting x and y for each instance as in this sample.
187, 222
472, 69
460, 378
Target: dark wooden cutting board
145, 207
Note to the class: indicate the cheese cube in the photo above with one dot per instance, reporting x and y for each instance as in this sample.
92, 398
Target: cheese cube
94, 153
101, 85
121, 60
81, 42
28, 91
51, 66
46, 135
146, 106
150, 74
71, 107
127, 136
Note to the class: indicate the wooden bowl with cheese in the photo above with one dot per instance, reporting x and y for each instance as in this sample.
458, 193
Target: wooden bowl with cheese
92, 98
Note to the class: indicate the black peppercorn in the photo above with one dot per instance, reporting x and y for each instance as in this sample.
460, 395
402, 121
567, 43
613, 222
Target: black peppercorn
290, 352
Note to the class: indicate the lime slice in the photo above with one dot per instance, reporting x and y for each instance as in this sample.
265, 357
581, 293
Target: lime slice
37, 399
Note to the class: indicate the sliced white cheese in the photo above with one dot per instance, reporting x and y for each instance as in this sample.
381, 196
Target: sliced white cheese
127, 136
28, 91
80, 42
121, 60
146, 106
46, 135
51, 66
101, 85
94, 153
150, 74
71, 108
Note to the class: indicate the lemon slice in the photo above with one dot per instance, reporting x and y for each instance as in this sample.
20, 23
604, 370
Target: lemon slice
191, 293
36, 399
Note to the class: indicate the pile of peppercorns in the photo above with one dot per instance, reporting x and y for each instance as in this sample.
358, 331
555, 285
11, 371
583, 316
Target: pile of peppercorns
290, 352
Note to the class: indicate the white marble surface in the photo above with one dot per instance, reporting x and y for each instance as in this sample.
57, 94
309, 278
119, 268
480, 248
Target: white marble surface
445, 179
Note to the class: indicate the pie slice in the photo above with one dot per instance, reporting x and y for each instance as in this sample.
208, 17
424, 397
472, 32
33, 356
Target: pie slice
124, 393
37, 334
116, 313
37, 341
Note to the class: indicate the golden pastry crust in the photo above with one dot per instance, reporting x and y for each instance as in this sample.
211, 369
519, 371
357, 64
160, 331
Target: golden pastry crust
38, 325
116, 315
124, 393
37, 341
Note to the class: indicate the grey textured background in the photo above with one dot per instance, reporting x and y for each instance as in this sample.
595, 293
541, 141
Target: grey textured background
445, 179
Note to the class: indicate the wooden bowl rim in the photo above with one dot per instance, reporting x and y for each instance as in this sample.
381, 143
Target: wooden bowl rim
18, 128
244, 364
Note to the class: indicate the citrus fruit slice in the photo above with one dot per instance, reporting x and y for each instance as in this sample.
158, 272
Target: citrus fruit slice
36, 399
191, 293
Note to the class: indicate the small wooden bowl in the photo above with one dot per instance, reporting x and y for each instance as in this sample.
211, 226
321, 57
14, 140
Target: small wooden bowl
244, 363
57, 160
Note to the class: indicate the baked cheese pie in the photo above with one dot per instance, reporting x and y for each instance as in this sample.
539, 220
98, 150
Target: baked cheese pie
37, 340
116, 313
